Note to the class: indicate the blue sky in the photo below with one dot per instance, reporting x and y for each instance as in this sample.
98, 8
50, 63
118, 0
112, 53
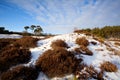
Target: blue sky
59, 16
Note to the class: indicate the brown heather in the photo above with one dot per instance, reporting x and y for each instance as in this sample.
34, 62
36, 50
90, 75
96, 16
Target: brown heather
13, 56
20, 73
58, 43
26, 42
116, 43
57, 62
82, 41
108, 67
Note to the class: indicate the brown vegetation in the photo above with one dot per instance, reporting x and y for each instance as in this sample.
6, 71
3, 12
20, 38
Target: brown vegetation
82, 41
58, 43
88, 72
83, 32
20, 73
116, 43
26, 42
57, 62
15, 51
99, 39
108, 67
6, 42
13, 56
86, 50
83, 50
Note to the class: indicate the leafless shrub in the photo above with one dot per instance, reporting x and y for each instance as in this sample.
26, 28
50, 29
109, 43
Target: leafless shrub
116, 43
20, 73
58, 43
86, 50
108, 67
13, 56
83, 32
26, 42
87, 73
6, 42
99, 39
57, 62
82, 41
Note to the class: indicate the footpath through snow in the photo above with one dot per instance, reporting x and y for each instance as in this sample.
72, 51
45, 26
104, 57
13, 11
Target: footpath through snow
101, 53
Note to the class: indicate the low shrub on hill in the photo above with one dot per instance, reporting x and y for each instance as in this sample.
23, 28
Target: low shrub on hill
58, 43
6, 42
20, 73
57, 62
116, 43
108, 67
82, 41
101, 40
88, 72
13, 56
86, 50
83, 50
26, 42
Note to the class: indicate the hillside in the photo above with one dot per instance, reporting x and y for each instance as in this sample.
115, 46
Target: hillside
72, 56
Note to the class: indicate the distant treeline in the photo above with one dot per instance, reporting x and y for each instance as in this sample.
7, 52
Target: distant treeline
24, 33
4, 31
105, 32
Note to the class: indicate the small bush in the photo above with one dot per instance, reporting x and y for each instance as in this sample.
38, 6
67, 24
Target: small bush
108, 67
83, 31
85, 50
26, 42
82, 41
20, 73
58, 43
88, 72
99, 39
78, 50
6, 42
57, 62
13, 56
116, 43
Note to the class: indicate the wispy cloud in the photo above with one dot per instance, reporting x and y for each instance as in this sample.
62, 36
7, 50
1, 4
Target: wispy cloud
66, 14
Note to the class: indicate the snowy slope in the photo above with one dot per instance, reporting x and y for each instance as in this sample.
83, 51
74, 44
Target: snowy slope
100, 54
10, 36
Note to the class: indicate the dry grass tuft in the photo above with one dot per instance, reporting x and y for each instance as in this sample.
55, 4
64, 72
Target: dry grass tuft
88, 72
20, 73
108, 67
101, 40
6, 42
83, 50
82, 41
57, 62
116, 43
26, 42
13, 56
59, 43
86, 50
83, 32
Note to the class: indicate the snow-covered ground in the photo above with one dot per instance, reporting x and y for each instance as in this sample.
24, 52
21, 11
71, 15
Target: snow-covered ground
100, 54
10, 36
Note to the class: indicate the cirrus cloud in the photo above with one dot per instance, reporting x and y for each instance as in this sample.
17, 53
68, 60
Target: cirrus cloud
63, 15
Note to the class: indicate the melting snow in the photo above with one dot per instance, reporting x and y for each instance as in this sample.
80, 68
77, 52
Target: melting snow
100, 54
10, 36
